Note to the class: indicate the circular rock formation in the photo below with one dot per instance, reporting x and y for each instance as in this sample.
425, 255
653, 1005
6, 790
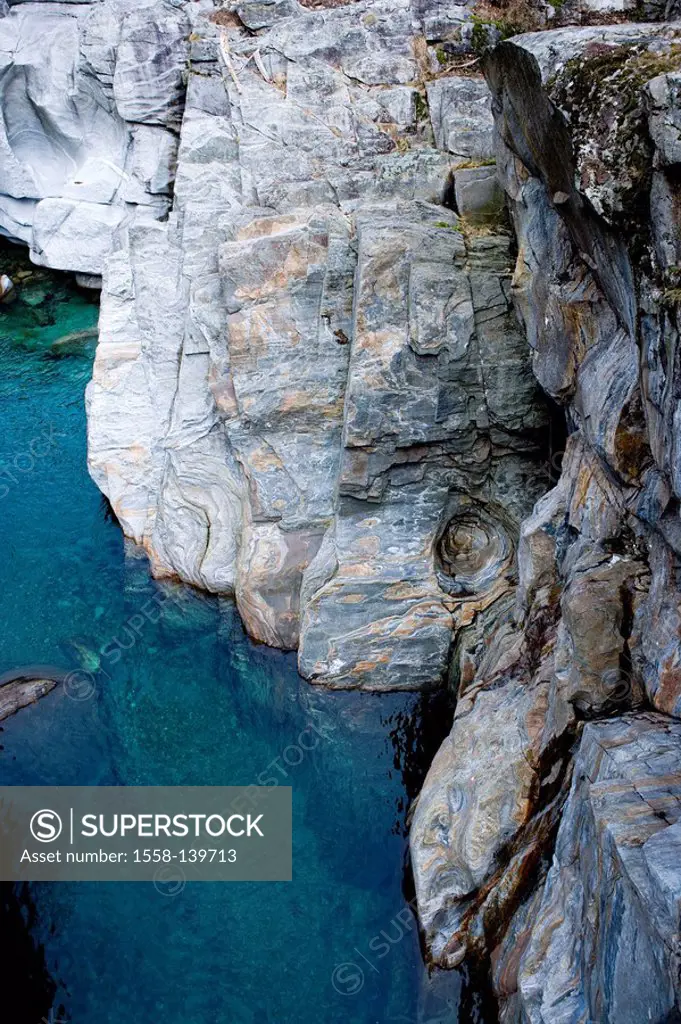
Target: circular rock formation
473, 551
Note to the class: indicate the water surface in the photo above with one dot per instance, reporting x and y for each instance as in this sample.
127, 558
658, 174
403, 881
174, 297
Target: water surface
187, 699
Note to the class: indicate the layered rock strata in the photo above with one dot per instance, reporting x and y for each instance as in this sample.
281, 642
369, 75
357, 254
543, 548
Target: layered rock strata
600, 942
311, 373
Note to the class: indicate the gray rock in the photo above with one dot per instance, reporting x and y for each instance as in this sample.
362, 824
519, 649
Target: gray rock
664, 117
92, 282
68, 235
151, 58
73, 169
462, 118
479, 197
287, 166
264, 13
19, 693
553, 50
420, 385
7, 288
596, 628
605, 944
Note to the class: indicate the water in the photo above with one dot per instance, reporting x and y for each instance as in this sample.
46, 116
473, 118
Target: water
188, 699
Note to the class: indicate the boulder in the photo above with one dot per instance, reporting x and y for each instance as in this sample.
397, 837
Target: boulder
18, 691
7, 289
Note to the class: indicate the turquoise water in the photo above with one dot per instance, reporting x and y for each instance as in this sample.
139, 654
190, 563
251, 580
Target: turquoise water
188, 700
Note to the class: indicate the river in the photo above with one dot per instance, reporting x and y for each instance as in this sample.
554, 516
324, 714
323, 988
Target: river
187, 699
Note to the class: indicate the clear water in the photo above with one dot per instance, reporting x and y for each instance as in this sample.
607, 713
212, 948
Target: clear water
190, 700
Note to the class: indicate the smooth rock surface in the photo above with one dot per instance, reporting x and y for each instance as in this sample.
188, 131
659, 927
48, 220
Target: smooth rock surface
83, 89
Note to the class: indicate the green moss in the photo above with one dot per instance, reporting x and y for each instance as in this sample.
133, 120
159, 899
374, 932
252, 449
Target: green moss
480, 34
602, 95
489, 31
448, 225
421, 108
508, 28
639, 13
441, 55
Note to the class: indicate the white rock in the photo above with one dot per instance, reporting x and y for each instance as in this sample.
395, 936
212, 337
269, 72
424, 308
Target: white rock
69, 235
63, 67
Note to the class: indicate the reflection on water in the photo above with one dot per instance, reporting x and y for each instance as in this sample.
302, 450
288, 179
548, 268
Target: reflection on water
164, 688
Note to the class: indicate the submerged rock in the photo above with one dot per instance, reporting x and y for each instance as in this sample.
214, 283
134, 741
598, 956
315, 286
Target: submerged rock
73, 343
18, 693
7, 289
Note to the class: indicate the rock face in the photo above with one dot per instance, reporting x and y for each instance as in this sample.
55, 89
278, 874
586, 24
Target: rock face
588, 130
614, 886
309, 379
311, 374
92, 97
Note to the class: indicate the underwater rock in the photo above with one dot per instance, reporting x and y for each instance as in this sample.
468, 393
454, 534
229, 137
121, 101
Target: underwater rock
7, 289
73, 343
18, 693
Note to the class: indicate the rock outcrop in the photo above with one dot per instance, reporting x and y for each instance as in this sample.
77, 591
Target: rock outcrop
92, 97
318, 386
19, 689
587, 124
310, 376
602, 941
7, 289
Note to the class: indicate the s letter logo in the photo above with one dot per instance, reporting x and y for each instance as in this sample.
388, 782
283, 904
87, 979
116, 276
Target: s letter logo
46, 826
